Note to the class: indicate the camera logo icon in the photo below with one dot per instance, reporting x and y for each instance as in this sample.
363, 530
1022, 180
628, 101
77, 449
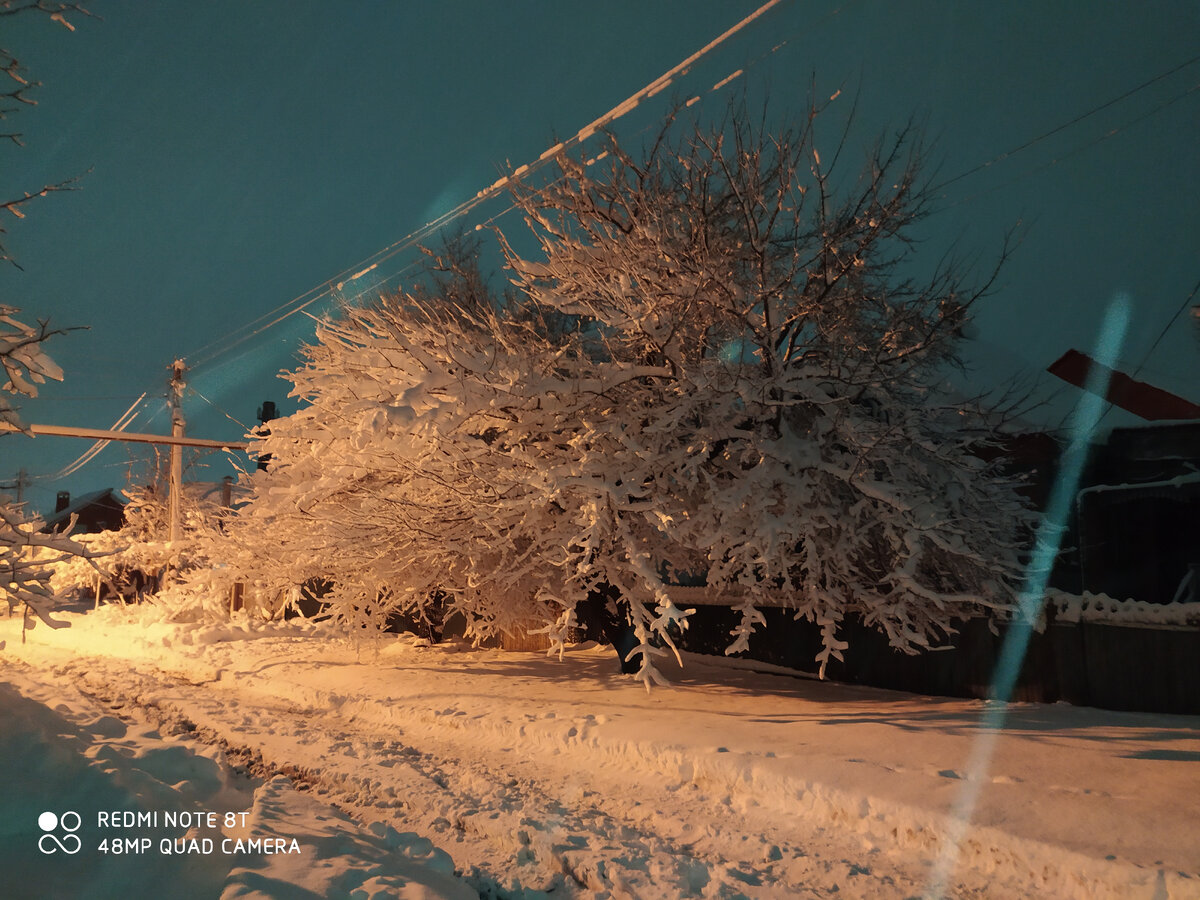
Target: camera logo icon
50, 823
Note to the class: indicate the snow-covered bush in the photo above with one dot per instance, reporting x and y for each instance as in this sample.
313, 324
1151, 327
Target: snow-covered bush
27, 556
191, 577
186, 577
27, 562
714, 367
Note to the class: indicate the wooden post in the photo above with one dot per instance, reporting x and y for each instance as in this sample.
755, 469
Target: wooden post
177, 426
236, 598
237, 592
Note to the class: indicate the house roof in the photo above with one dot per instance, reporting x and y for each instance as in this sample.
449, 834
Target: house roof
105, 497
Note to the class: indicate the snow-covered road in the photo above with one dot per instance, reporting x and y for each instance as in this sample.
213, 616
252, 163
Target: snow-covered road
386, 762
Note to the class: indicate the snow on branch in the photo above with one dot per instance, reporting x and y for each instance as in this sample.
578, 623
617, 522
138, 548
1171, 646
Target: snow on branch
712, 365
27, 560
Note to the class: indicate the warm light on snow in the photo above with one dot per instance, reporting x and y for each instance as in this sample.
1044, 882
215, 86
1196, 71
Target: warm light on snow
457, 771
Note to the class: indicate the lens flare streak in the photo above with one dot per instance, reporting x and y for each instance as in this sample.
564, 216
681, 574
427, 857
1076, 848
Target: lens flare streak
1084, 426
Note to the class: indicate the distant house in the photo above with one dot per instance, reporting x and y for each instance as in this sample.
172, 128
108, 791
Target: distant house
1134, 531
1139, 515
98, 511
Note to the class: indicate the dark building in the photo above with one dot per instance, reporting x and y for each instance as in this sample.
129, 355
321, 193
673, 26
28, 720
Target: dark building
98, 511
1139, 515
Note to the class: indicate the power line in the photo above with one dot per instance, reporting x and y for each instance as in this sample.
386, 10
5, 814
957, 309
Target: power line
1068, 155
1075, 121
217, 348
1166, 328
219, 409
299, 304
120, 425
331, 288
327, 289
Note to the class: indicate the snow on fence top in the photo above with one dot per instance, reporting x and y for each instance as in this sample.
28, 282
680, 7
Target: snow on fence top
1103, 609
1184, 610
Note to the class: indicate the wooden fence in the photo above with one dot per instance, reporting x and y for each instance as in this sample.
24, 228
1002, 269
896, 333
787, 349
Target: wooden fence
1146, 669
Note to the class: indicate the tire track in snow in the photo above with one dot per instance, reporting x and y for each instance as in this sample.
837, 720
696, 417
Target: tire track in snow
515, 823
515, 836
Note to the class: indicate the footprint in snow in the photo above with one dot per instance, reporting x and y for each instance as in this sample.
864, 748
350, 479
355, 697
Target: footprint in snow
108, 727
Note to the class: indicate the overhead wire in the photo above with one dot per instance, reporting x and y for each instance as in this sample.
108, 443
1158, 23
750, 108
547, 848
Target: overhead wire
1154, 346
327, 289
1113, 132
1162, 334
410, 241
120, 425
1071, 122
219, 409
220, 347
335, 286
298, 304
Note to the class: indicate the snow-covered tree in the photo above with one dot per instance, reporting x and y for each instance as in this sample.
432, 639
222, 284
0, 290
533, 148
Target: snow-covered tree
18, 95
139, 557
26, 365
26, 555
715, 365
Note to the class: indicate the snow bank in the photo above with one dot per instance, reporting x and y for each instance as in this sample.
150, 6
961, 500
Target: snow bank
343, 859
564, 777
138, 804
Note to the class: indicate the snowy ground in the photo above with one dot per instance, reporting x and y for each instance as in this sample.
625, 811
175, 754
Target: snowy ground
401, 770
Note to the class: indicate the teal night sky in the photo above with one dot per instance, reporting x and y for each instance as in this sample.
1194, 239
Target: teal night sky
244, 154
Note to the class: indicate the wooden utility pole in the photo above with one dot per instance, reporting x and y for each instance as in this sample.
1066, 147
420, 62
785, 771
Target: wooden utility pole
19, 485
177, 440
177, 425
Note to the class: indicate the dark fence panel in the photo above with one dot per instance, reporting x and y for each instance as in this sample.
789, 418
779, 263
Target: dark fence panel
1145, 669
